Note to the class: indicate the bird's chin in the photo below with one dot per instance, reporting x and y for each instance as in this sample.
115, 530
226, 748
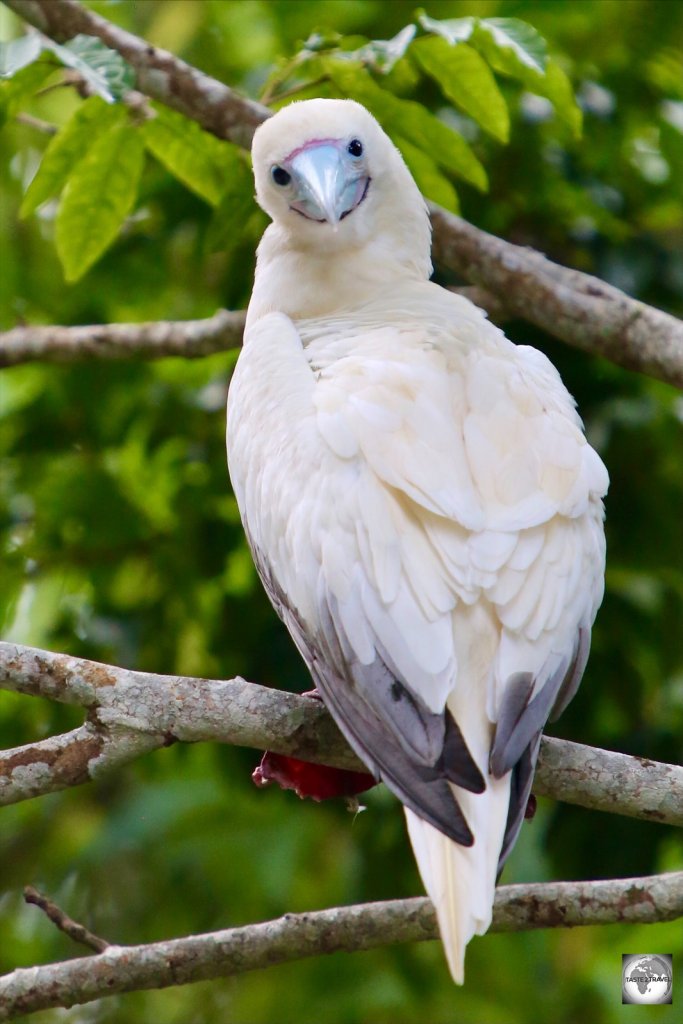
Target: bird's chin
300, 209
311, 212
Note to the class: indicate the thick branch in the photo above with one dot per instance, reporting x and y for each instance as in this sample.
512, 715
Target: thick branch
575, 307
155, 340
572, 306
131, 713
296, 936
69, 760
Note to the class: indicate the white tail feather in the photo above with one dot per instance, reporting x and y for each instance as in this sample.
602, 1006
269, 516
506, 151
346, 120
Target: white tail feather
459, 880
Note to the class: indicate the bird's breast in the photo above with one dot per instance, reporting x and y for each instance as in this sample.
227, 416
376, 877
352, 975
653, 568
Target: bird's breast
291, 488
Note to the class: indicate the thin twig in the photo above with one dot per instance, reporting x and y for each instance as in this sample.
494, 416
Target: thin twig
297, 936
36, 122
77, 932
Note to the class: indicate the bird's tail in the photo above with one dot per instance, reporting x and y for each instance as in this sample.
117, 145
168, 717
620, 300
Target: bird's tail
459, 880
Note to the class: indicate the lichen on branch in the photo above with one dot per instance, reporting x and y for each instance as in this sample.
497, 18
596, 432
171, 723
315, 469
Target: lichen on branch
132, 713
365, 926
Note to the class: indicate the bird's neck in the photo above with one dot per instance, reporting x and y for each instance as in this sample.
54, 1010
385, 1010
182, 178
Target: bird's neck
306, 284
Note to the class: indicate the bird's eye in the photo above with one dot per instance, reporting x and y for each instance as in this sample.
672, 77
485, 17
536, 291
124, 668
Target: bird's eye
355, 147
280, 176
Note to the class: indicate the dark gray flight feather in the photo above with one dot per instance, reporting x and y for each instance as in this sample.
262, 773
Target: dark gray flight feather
521, 718
520, 726
394, 733
413, 750
521, 780
572, 680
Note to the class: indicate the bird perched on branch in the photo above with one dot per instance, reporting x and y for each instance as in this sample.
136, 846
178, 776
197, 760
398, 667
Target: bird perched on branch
419, 498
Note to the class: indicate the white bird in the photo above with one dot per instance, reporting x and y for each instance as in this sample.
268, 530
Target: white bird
419, 498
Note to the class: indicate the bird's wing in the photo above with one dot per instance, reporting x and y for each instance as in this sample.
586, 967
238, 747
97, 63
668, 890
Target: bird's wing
475, 484
437, 477
326, 536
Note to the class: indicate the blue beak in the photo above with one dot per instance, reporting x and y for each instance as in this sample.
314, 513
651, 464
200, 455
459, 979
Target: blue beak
328, 182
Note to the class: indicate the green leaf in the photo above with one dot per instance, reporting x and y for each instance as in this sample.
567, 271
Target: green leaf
511, 47
320, 40
429, 179
453, 30
13, 91
281, 71
11, 585
383, 54
236, 205
314, 91
515, 44
19, 53
99, 195
664, 70
410, 120
467, 81
68, 148
509, 44
558, 89
195, 157
105, 70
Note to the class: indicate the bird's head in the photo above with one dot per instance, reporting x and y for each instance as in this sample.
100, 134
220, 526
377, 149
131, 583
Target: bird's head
332, 180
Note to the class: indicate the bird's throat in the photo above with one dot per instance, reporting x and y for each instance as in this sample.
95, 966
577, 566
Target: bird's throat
308, 282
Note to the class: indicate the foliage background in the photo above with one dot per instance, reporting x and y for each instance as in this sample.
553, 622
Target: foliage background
121, 542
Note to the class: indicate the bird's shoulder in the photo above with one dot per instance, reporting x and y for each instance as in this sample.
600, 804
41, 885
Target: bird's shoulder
444, 408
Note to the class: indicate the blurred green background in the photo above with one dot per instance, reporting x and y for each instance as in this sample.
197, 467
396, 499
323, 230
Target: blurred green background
121, 542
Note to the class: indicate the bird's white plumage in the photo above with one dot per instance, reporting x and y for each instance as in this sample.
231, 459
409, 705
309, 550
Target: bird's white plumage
417, 491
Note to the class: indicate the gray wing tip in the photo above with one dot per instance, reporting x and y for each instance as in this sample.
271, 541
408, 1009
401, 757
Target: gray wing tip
434, 803
456, 761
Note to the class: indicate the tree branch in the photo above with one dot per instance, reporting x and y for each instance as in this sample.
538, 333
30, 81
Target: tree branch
572, 306
29, 121
158, 74
153, 340
157, 339
297, 936
576, 308
77, 932
131, 713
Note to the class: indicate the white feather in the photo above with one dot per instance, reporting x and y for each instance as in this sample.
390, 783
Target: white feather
396, 458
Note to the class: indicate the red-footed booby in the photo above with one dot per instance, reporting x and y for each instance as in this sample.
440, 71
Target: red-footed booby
419, 498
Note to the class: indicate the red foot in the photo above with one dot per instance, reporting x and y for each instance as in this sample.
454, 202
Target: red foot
530, 807
310, 780
316, 781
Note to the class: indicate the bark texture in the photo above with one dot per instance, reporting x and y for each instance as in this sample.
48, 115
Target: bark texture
132, 713
153, 340
296, 936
